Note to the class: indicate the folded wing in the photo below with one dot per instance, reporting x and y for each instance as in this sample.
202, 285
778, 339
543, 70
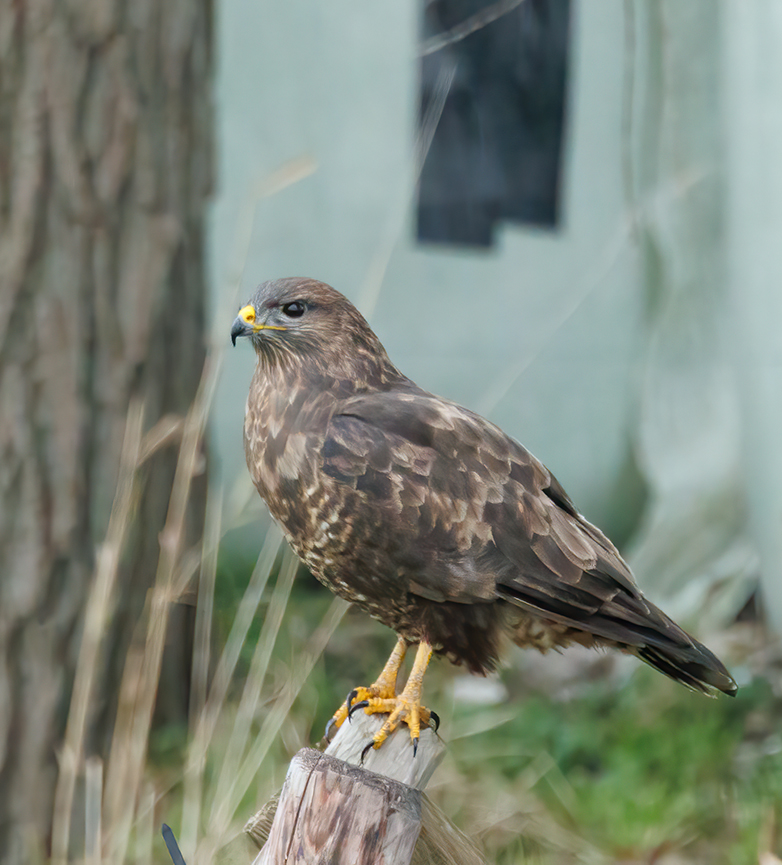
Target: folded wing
473, 517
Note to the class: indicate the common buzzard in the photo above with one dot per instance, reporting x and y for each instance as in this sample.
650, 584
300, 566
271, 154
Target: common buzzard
426, 515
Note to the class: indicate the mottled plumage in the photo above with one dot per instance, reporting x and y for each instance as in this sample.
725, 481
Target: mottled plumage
425, 514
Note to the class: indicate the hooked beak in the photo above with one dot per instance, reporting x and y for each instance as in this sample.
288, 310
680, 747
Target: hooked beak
245, 324
240, 328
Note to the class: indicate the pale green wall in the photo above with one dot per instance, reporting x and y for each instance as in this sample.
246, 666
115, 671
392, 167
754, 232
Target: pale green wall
543, 332
644, 334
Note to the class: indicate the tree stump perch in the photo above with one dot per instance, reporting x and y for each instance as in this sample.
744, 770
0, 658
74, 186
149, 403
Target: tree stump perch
334, 810
330, 811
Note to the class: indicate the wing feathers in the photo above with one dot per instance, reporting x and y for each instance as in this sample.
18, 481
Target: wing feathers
492, 522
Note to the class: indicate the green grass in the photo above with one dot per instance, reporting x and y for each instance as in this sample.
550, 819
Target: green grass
629, 773
646, 768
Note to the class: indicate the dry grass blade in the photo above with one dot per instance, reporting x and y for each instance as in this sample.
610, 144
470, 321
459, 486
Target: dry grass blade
165, 432
204, 723
467, 27
248, 704
503, 383
441, 842
286, 175
224, 809
95, 621
489, 719
93, 794
233, 646
142, 669
193, 780
146, 826
370, 291
205, 601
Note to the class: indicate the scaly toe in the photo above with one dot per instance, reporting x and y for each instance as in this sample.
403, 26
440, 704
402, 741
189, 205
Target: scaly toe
358, 698
404, 708
400, 710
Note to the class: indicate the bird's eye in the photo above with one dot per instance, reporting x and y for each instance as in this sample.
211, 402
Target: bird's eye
294, 309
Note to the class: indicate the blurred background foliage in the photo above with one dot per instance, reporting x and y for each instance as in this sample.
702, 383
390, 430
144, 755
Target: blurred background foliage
628, 334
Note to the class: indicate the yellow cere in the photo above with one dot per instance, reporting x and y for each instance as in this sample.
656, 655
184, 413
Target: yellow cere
247, 314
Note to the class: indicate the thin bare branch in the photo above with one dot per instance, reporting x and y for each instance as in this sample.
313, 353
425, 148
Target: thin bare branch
467, 27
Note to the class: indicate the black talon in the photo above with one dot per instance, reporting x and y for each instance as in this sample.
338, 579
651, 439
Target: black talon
436, 720
415, 746
329, 727
366, 751
362, 705
349, 699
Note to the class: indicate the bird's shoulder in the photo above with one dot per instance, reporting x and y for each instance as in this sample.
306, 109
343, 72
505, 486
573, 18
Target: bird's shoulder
457, 450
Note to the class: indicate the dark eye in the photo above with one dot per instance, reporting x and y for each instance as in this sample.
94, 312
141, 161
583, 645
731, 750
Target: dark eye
294, 309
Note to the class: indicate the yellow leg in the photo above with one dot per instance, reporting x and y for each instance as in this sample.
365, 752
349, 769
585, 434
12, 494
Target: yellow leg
407, 706
384, 688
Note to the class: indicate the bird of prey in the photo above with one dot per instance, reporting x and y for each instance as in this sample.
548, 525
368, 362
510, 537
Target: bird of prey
427, 516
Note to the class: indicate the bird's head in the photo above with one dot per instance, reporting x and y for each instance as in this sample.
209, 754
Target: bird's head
310, 324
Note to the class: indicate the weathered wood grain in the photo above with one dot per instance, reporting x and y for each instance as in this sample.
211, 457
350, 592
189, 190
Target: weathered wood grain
332, 809
346, 800
331, 812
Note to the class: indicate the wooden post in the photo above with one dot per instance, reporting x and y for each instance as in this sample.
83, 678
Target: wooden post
334, 810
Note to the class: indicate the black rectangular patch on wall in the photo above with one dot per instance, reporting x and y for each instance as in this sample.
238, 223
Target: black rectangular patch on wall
496, 152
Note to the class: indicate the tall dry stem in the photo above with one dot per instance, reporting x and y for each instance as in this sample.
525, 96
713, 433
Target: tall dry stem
142, 670
223, 809
99, 608
204, 723
251, 693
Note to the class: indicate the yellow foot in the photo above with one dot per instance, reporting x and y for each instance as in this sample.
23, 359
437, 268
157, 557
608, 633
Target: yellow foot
358, 698
383, 689
406, 708
381, 698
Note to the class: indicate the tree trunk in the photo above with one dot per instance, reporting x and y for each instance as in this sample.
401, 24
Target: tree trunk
105, 159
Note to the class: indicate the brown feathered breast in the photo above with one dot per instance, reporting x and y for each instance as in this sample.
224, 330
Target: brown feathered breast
423, 513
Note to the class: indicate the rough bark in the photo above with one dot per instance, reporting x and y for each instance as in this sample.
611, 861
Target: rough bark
105, 162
